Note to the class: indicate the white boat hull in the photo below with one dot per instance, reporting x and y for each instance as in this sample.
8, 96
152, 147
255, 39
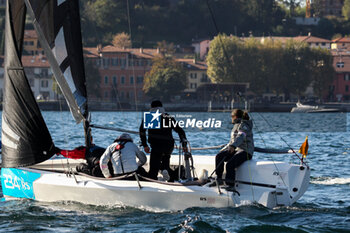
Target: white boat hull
301, 108
267, 183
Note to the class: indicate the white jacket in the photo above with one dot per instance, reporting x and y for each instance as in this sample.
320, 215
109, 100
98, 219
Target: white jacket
123, 159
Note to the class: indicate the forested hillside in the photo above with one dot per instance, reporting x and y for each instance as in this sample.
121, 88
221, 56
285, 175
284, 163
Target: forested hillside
181, 21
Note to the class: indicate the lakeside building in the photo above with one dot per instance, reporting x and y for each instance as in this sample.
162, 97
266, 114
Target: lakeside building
196, 76
122, 70
339, 90
328, 8
31, 44
39, 76
341, 44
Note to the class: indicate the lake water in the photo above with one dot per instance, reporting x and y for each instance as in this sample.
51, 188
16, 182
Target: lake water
325, 207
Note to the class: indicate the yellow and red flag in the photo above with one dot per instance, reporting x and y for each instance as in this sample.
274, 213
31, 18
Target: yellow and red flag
304, 147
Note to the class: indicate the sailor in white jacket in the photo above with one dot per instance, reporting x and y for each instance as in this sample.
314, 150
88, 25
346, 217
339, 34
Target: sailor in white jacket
122, 155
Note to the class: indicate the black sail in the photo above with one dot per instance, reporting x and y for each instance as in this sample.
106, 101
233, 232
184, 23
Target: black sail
57, 23
25, 137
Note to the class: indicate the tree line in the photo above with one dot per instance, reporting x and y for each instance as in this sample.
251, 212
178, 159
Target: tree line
271, 66
181, 21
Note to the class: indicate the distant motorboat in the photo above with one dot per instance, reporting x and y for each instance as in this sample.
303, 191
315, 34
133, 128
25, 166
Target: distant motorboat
304, 108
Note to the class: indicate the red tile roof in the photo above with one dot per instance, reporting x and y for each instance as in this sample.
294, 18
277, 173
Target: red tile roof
342, 40
311, 39
35, 61
308, 39
190, 64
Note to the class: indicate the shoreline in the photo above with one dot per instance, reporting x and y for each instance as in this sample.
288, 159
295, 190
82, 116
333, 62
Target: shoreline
184, 107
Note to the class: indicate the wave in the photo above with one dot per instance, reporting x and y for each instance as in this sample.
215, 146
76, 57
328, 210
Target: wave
330, 180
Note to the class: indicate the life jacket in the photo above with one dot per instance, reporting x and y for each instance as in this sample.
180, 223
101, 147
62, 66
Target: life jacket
118, 149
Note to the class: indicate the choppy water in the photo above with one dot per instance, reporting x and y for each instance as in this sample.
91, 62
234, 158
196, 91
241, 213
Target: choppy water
325, 207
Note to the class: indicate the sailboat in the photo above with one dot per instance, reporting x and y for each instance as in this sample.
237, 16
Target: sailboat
28, 172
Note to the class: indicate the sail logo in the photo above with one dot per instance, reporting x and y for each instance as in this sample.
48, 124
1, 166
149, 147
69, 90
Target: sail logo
18, 183
151, 120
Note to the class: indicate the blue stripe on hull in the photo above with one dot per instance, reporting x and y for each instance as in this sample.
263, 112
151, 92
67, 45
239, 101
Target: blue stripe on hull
18, 183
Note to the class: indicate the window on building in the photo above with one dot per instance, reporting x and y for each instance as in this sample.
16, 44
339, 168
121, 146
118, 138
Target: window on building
139, 79
346, 77
105, 62
114, 61
323, 43
98, 62
346, 88
122, 62
122, 80
44, 83
106, 79
340, 64
114, 80
131, 79
193, 85
204, 78
44, 72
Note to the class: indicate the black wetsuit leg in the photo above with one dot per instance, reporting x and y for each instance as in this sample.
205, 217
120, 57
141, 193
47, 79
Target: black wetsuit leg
219, 162
160, 159
234, 162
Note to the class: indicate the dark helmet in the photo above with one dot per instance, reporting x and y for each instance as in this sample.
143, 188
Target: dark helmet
123, 137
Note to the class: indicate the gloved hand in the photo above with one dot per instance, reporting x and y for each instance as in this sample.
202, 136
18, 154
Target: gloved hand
184, 145
231, 149
184, 142
147, 150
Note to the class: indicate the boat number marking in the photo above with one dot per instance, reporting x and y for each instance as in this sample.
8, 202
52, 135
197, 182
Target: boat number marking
209, 200
15, 183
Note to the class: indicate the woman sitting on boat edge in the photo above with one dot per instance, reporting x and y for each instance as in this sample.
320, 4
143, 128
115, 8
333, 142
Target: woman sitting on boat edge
239, 149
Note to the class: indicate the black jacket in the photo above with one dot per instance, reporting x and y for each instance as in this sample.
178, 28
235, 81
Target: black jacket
162, 137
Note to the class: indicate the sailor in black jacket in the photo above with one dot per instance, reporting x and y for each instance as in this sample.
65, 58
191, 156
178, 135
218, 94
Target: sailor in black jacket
161, 141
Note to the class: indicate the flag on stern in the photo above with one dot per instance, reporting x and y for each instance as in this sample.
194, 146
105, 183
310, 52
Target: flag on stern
304, 147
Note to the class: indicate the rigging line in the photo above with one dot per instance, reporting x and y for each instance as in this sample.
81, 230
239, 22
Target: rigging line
217, 31
270, 157
63, 128
283, 140
132, 56
124, 130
